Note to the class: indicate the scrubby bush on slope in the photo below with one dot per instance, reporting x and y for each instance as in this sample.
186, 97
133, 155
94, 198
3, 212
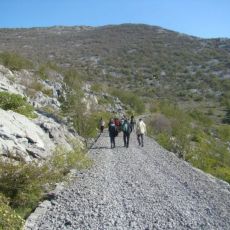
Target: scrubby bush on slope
193, 136
15, 102
23, 184
14, 61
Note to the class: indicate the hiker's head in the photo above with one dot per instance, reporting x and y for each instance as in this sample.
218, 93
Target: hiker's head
140, 119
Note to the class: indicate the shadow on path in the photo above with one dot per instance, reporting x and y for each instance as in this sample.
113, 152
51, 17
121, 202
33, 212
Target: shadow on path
106, 147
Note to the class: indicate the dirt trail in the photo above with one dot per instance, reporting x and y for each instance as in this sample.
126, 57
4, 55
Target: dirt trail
137, 188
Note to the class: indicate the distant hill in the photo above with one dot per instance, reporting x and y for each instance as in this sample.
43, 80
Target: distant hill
150, 60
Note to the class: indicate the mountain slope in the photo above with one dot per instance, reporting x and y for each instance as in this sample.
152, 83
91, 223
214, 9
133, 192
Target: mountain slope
150, 60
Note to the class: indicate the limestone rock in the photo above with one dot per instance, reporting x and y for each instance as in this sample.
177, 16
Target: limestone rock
7, 84
21, 138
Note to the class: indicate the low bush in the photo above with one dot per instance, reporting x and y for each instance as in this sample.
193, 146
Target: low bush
97, 87
88, 124
16, 103
14, 61
9, 219
224, 132
131, 99
193, 136
23, 184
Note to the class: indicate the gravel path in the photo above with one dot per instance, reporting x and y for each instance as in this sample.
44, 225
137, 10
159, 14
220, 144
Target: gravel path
138, 188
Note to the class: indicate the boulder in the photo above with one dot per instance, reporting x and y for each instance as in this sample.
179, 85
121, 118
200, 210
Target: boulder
25, 139
7, 84
57, 131
21, 138
41, 100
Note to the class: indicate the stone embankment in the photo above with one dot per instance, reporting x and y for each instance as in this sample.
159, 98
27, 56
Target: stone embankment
136, 188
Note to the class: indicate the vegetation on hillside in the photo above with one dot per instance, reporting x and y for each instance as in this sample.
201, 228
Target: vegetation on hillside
129, 98
14, 61
16, 103
193, 136
84, 121
23, 185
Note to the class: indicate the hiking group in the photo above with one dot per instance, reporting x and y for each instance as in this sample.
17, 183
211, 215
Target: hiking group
124, 125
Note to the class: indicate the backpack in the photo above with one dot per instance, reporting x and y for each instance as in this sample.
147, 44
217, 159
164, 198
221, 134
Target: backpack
126, 128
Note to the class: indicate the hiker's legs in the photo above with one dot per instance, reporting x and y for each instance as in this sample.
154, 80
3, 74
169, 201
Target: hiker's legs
132, 125
138, 139
142, 139
127, 142
124, 138
112, 141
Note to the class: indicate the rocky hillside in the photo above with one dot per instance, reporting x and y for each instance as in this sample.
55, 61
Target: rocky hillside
36, 135
151, 60
25, 138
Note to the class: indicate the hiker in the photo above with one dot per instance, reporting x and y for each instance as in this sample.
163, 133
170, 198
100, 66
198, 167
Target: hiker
102, 125
127, 129
117, 123
122, 120
140, 131
132, 122
112, 133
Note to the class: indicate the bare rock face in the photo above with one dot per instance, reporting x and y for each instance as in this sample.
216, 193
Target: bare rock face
25, 139
58, 132
40, 100
20, 138
7, 83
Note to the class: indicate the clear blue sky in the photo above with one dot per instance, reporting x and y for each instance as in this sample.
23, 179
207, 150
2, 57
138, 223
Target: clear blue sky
202, 18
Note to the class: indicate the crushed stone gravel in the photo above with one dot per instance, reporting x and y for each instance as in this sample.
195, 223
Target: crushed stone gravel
136, 188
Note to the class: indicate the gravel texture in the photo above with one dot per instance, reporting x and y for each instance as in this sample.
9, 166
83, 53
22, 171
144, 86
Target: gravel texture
137, 188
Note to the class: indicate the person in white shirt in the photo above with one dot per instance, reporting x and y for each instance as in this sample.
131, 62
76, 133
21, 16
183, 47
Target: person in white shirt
140, 131
102, 125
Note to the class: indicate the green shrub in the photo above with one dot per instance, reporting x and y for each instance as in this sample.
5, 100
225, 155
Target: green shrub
88, 124
42, 72
131, 99
36, 85
98, 87
9, 219
224, 132
106, 100
73, 79
200, 117
192, 135
48, 92
45, 68
16, 103
223, 172
15, 62
164, 140
24, 183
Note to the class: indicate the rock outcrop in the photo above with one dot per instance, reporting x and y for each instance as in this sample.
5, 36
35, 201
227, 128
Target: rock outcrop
21, 138
28, 139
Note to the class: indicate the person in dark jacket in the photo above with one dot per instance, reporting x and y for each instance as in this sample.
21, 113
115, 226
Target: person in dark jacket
132, 122
112, 133
127, 129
